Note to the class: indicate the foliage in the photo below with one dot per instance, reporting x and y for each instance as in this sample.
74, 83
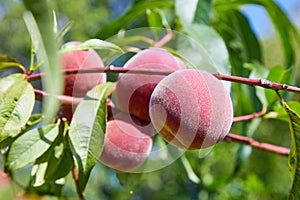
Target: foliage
43, 155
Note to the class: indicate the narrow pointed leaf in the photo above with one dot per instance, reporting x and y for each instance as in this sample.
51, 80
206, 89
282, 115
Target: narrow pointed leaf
189, 170
240, 40
203, 12
7, 62
185, 10
87, 130
40, 25
294, 157
132, 14
281, 22
94, 44
64, 30
154, 19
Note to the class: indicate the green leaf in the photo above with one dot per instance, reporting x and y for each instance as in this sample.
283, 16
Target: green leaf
280, 113
31, 145
64, 30
203, 12
129, 180
294, 157
55, 163
136, 11
157, 21
205, 49
16, 105
6, 58
7, 62
250, 41
154, 18
213, 45
87, 130
281, 22
33, 121
47, 190
258, 72
244, 152
242, 99
185, 10
242, 44
279, 75
193, 11
40, 25
189, 170
61, 161
93, 44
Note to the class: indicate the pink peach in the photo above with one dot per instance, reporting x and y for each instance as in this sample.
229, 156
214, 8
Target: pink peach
191, 109
78, 84
133, 91
126, 143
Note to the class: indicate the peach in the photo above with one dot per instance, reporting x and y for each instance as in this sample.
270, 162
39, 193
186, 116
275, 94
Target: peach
133, 91
126, 143
78, 84
191, 109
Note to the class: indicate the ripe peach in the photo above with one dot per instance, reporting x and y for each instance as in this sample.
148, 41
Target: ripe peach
191, 109
126, 144
78, 84
133, 91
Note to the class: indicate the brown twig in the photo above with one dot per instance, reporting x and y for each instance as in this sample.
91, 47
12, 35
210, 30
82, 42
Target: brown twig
76, 179
257, 82
250, 116
260, 145
107, 69
65, 100
113, 69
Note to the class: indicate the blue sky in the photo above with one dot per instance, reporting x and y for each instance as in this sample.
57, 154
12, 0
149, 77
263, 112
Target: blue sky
260, 21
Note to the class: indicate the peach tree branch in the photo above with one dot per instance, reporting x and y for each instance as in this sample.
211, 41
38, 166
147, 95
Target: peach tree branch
68, 100
64, 99
260, 145
250, 116
229, 138
113, 69
257, 82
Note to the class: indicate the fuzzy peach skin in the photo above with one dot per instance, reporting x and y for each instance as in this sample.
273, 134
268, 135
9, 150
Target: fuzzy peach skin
133, 91
126, 143
78, 84
191, 109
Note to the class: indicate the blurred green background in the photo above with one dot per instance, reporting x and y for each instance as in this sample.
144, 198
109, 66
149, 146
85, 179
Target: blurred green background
229, 171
